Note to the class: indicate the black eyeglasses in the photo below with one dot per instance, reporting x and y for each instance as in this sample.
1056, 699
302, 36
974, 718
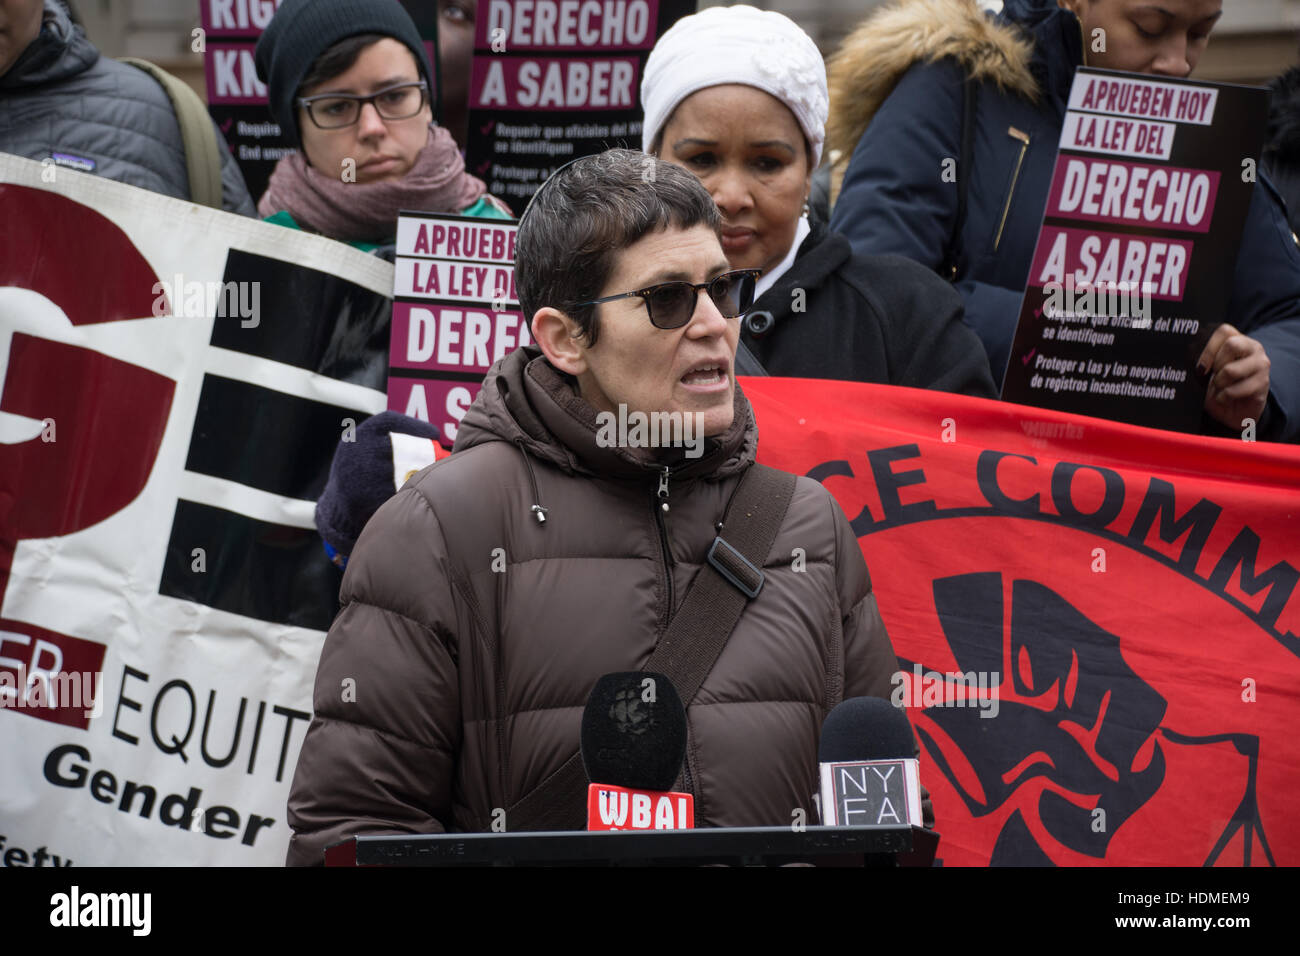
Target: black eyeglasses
671, 304
337, 110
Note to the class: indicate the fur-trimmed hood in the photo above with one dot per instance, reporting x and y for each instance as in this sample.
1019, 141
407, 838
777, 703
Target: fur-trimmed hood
872, 59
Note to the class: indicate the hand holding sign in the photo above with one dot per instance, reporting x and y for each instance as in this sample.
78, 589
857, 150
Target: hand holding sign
1238, 369
1136, 258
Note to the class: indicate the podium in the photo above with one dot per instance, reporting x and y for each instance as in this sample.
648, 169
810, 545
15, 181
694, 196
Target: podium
732, 846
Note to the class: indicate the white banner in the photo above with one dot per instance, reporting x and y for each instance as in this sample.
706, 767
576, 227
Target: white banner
173, 381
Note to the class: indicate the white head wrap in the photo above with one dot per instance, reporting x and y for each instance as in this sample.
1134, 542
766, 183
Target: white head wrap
737, 44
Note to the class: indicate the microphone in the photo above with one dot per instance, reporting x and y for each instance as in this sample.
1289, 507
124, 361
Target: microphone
633, 744
869, 776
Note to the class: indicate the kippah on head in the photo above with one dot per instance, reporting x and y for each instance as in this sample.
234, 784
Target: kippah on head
740, 44
302, 30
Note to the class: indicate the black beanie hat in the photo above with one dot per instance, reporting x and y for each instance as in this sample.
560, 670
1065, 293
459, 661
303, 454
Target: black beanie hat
302, 30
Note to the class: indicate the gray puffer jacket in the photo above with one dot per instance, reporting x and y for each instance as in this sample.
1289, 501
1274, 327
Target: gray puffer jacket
453, 681
61, 96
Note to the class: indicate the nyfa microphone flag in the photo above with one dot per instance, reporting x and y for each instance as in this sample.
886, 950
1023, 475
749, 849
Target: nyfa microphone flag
1097, 623
174, 381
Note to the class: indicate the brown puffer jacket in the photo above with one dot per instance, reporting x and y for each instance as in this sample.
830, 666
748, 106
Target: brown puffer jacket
453, 681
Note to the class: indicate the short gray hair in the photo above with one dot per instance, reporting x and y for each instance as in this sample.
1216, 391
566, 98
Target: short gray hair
588, 212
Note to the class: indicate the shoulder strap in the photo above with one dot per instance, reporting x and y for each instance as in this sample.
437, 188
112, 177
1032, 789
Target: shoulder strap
731, 577
696, 635
199, 139
951, 256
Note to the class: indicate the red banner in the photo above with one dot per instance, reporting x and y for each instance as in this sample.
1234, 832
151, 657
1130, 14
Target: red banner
1097, 623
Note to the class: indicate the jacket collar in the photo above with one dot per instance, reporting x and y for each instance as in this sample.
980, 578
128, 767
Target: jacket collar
59, 51
802, 229
527, 401
820, 254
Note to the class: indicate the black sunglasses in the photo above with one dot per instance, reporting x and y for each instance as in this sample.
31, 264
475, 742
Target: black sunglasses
671, 304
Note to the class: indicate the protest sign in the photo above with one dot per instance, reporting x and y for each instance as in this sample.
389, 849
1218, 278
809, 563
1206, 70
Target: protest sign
1133, 268
455, 312
554, 80
1097, 624
174, 381
237, 99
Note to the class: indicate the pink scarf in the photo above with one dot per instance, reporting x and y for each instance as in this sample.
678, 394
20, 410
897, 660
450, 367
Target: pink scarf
368, 211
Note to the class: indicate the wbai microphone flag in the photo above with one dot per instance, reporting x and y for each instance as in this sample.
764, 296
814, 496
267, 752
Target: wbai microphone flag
1097, 623
174, 381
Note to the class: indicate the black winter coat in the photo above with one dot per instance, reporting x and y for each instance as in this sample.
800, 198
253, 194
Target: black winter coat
881, 319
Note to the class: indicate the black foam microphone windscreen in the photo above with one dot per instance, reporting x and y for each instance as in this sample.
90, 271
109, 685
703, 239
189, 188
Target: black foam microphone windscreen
866, 728
634, 731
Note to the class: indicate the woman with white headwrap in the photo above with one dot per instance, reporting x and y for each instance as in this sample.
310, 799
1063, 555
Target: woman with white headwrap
738, 96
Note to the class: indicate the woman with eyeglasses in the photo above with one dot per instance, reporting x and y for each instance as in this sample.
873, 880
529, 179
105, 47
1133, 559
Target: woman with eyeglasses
738, 97
350, 84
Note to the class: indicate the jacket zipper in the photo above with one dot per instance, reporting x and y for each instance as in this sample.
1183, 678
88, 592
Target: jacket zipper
1024, 146
660, 507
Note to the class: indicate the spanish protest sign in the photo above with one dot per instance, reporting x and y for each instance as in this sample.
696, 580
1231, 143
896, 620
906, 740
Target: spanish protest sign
455, 312
554, 80
1133, 267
